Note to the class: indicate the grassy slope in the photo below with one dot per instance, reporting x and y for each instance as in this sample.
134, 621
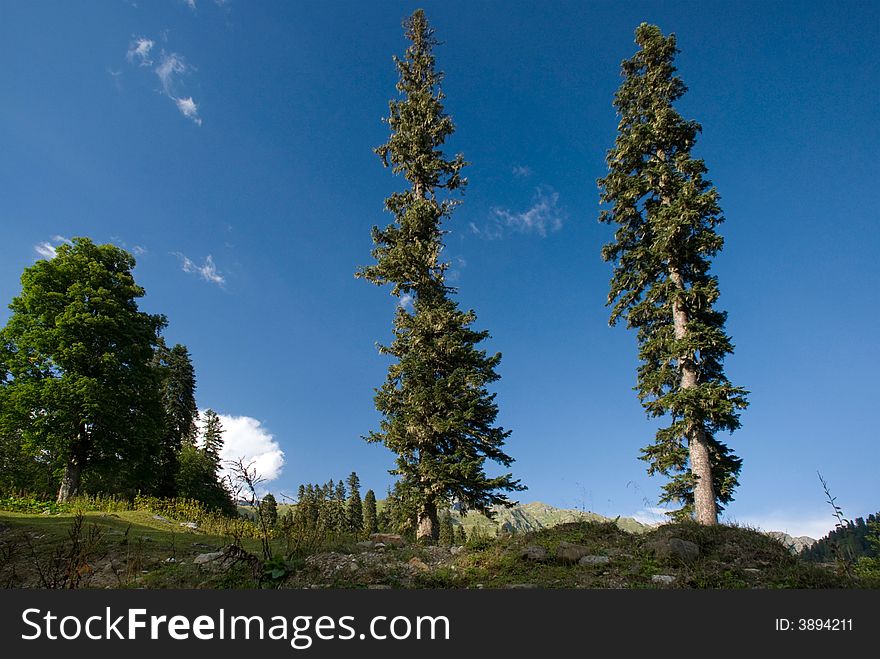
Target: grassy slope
133, 549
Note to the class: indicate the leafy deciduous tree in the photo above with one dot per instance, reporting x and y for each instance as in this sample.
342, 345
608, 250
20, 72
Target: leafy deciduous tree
78, 385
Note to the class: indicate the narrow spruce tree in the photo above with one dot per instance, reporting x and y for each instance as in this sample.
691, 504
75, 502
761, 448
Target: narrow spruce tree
666, 213
269, 510
212, 440
354, 506
177, 383
447, 531
438, 415
370, 516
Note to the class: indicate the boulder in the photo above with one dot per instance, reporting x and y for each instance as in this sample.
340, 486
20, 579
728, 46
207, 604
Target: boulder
594, 560
190, 525
665, 579
568, 552
366, 545
387, 539
675, 548
201, 559
534, 553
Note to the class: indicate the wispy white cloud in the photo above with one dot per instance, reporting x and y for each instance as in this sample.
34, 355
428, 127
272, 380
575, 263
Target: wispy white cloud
170, 69
139, 50
170, 66
246, 438
137, 250
190, 3
521, 171
543, 216
207, 271
189, 108
48, 248
405, 301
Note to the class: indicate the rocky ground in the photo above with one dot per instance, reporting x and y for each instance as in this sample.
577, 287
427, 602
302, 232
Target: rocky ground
138, 550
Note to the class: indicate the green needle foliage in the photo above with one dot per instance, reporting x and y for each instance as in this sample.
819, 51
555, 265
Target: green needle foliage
438, 415
177, 383
370, 515
666, 213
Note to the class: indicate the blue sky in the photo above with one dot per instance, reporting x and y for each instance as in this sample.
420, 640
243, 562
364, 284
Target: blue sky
229, 144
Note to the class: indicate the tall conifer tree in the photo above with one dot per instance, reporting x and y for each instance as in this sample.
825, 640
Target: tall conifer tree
354, 506
438, 415
370, 516
177, 384
666, 213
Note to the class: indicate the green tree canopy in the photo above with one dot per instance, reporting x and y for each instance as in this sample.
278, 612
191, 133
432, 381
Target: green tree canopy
78, 387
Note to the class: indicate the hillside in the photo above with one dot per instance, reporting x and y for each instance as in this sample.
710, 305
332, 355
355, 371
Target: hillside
535, 516
142, 549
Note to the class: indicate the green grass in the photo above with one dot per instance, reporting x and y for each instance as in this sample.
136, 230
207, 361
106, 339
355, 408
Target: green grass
133, 549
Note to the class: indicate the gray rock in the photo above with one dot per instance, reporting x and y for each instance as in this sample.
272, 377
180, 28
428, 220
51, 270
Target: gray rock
675, 548
534, 553
366, 545
455, 551
190, 525
521, 586
201, 559
594, 560
379, 586
568, 552
159, 518
664, 579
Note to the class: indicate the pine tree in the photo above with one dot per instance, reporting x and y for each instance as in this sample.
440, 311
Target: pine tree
340, 517
370, 516
212, 438
460, 535
198, 476
354, 507
177, 386
438, 414
447, 531
269, 510
667, 212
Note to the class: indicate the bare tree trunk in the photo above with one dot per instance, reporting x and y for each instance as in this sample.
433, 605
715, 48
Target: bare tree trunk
705, 505
429, 527
73, 469
70, 480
